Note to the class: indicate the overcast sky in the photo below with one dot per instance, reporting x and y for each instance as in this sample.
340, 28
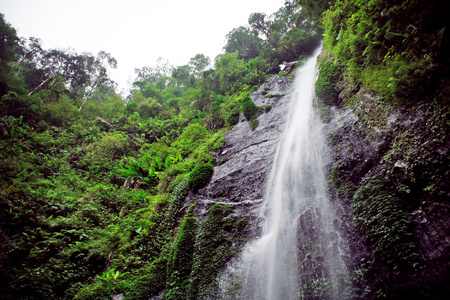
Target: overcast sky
135, 32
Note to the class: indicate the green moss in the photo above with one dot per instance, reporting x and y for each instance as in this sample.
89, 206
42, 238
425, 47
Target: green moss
180, 260
176, 200
254, 124
385, 224
249, 108
340, 181
199, 177
147, 281
217, 239
326, 84
323, 110
267, 108
251, 111
275, 95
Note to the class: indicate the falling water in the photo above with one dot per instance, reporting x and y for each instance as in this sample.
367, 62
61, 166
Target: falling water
300, 249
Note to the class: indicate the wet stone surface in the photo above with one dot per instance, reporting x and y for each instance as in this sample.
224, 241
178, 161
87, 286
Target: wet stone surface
246, 158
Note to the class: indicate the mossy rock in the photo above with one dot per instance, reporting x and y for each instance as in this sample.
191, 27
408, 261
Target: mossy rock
326, 85
200, 176
218, 238
385, 224
249, 108
254, 124
275, 95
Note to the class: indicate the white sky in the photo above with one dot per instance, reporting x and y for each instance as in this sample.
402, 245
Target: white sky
135, 32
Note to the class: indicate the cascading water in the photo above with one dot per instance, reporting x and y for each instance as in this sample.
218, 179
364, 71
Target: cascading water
299, 252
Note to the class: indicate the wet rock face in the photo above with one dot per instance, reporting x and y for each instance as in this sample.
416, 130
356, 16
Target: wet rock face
245, 160
407, 147
369, 139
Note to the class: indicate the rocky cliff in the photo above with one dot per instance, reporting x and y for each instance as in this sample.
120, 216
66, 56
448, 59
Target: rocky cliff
388, 180
390, 169
245, 160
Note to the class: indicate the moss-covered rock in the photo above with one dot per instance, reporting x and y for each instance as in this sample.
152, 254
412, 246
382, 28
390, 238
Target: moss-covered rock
217, 240
249, 108
327, 82
254, 124
179, 264
199, 177
385, 224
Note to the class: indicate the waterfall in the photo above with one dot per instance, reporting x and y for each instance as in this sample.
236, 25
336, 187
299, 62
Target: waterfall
299, 252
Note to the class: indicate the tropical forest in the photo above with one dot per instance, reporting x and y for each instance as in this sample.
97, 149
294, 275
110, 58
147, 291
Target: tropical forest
171, 191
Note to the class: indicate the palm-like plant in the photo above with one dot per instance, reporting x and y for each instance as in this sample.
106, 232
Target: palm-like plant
136, 174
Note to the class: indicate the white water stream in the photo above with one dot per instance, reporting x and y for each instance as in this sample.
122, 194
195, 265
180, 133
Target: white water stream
300, 248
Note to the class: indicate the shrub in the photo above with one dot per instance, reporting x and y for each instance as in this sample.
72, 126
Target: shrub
200, 176
232, 118
249, 108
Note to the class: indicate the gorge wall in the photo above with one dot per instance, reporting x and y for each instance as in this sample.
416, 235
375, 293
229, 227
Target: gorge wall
388, 179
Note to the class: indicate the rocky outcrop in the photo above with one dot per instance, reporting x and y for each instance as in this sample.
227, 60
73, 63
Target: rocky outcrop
405, 150
388, 169
246, 159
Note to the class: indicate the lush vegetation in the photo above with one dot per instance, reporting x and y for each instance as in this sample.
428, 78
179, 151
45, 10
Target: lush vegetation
395, 48
382, 57
93, 186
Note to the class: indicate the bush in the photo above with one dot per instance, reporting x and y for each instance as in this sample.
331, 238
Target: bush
199, 177
249, 108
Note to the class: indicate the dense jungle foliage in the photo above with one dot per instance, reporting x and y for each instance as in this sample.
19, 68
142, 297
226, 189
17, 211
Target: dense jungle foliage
397, 49
92, 185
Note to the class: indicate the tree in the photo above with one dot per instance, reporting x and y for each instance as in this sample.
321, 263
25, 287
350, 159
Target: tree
315, 8
289, 35
151, 74
82, 73
97, 74
258, 24
198, 63
9, 44
244, 41
230, 71
181, 74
